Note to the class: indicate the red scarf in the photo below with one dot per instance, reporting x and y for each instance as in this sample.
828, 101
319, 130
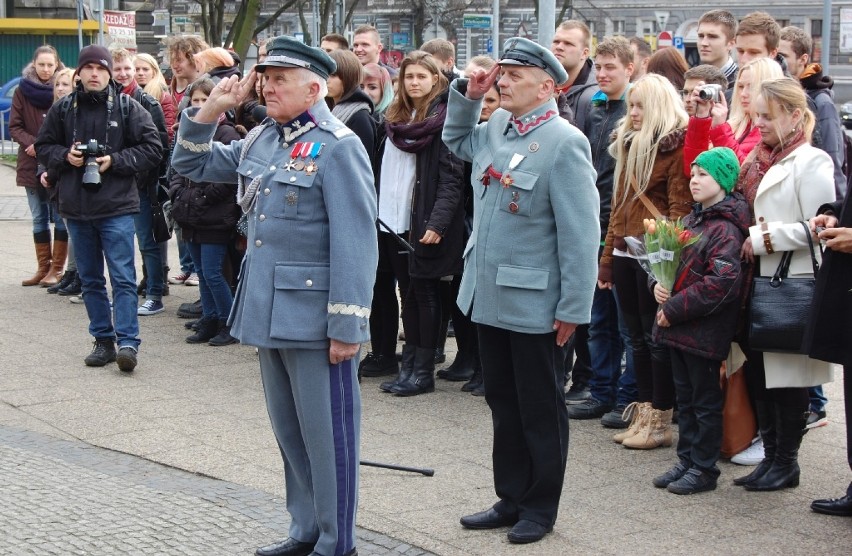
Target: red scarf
128, 90
759, 161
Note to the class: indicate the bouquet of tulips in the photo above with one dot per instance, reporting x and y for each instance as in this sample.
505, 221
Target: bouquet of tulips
659, 252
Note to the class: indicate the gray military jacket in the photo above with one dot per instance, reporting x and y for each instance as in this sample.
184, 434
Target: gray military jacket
312, 251
532, 256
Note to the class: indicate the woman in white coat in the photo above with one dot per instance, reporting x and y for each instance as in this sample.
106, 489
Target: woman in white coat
785, 179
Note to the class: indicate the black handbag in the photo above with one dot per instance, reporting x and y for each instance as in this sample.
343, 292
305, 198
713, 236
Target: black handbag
159, 224
780, 307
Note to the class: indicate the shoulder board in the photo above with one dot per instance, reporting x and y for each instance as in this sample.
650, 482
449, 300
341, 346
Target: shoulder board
343, 132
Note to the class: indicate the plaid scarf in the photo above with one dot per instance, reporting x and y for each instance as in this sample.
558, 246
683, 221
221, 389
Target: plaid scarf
759, 161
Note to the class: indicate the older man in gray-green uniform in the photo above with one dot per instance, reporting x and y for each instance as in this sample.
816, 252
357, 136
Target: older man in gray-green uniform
306, 284
530, 271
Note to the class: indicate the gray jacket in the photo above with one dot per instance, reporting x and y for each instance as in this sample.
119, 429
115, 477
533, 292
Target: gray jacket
309, 269
532, 256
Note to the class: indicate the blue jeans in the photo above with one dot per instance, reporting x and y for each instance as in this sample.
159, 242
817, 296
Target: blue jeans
44, 212
143, 223
216, 296
607, 342
110, 238
184, 254
818, 399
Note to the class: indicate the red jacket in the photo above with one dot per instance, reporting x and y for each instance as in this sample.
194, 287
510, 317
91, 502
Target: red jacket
705, 301
700, 137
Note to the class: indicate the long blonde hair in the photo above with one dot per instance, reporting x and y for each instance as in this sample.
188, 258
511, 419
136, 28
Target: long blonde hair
787, 95
157, 86
635, 151
762, 69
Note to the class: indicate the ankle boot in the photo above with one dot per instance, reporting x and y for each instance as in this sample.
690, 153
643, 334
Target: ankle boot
223, 337
657, 432
637, 414
406, 366
67, 278
460, 370
42, 249
208, 327
475, 380
766, 424
784, 471
422, 378
57, 264
74, 287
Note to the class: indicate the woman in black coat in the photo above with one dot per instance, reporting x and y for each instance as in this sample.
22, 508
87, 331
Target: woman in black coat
348, 102
420, 199
830, 324
208, 214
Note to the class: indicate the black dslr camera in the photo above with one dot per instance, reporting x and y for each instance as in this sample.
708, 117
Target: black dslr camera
91, 149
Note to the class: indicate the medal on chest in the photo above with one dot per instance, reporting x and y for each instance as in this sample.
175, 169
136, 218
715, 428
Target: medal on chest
303, 157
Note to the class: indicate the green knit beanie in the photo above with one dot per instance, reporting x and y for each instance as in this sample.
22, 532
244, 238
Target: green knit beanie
722, 164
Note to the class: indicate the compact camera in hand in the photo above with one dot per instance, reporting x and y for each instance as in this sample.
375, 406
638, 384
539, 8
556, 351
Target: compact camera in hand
91, 150
710, 92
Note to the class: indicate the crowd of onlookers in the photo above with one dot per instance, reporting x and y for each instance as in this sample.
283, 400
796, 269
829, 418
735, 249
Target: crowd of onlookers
743, 147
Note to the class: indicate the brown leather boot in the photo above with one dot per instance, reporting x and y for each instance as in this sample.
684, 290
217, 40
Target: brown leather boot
57, 264
43, 257
637, 413
657, 432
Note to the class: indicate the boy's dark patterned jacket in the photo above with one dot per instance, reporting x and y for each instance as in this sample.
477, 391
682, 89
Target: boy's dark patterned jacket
705, 300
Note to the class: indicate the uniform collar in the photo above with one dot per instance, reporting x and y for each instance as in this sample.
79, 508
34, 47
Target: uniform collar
299, 125
534, 118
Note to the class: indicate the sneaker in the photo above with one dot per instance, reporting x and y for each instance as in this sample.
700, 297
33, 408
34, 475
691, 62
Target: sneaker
75, 299
126, 358
589, 409
103, 352
816, 419
693, 482
179, 278
75, 287
192, 280
578, 393
150, 307
615, 419
752, 455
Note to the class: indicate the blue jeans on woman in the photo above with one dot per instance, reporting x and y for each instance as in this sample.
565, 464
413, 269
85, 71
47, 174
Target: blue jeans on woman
44, 212
216, 296
150, 250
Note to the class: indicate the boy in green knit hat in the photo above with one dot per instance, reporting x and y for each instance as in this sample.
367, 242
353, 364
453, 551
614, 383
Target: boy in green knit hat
698, 318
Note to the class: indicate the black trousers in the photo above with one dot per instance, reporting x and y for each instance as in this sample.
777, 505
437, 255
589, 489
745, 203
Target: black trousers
699, 399
847, 400
523, 376
384, 316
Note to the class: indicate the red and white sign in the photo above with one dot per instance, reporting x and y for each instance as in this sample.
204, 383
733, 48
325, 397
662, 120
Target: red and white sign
664, 39
121, 27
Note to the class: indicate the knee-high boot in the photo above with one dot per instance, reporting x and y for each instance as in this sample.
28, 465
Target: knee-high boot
42, 249
766, 424
57, 262
406, 367
422, 378
784, 472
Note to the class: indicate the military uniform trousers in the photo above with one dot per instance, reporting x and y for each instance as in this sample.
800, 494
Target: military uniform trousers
315, 409
523, 375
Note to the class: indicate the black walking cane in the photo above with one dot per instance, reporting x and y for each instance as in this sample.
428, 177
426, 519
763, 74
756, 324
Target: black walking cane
422, 470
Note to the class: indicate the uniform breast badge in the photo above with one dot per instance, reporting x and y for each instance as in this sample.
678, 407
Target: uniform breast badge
513, 205
533, 147
292, 197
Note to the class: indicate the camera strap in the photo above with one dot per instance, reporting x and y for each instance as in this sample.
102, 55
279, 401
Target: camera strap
110, 105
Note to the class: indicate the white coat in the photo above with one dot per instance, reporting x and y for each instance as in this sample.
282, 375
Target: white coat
791, 192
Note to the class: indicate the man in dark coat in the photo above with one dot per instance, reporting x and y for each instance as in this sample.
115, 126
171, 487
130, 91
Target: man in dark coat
830, 325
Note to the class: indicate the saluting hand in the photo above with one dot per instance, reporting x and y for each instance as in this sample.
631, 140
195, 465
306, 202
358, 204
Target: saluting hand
227, 94
481, 81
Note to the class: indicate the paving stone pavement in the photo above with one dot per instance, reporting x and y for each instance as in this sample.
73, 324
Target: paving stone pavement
69, 497
200, 410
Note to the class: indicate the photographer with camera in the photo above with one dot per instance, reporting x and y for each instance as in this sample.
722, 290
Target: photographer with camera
97, 143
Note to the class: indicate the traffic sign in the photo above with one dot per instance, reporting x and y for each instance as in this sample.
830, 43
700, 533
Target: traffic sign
476, 21
489, 45
678, 43
664, 39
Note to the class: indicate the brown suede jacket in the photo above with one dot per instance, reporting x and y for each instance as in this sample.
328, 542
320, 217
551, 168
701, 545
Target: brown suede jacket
668, 190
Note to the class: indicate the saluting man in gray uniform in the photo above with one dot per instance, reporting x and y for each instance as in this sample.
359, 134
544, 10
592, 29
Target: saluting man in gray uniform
306, 282
530, 272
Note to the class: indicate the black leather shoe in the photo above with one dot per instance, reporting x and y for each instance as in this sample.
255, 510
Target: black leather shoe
833, 506
489, 519
589, 409
526, 531
693, 482
287, 547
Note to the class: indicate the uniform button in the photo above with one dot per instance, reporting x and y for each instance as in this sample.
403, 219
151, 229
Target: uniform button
266, 191
292, 178
309, 283
323, 123
272, 167
248, 173
258, 243
262, 217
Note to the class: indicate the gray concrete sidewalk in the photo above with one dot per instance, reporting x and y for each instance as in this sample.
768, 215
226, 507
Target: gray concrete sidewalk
200, 409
